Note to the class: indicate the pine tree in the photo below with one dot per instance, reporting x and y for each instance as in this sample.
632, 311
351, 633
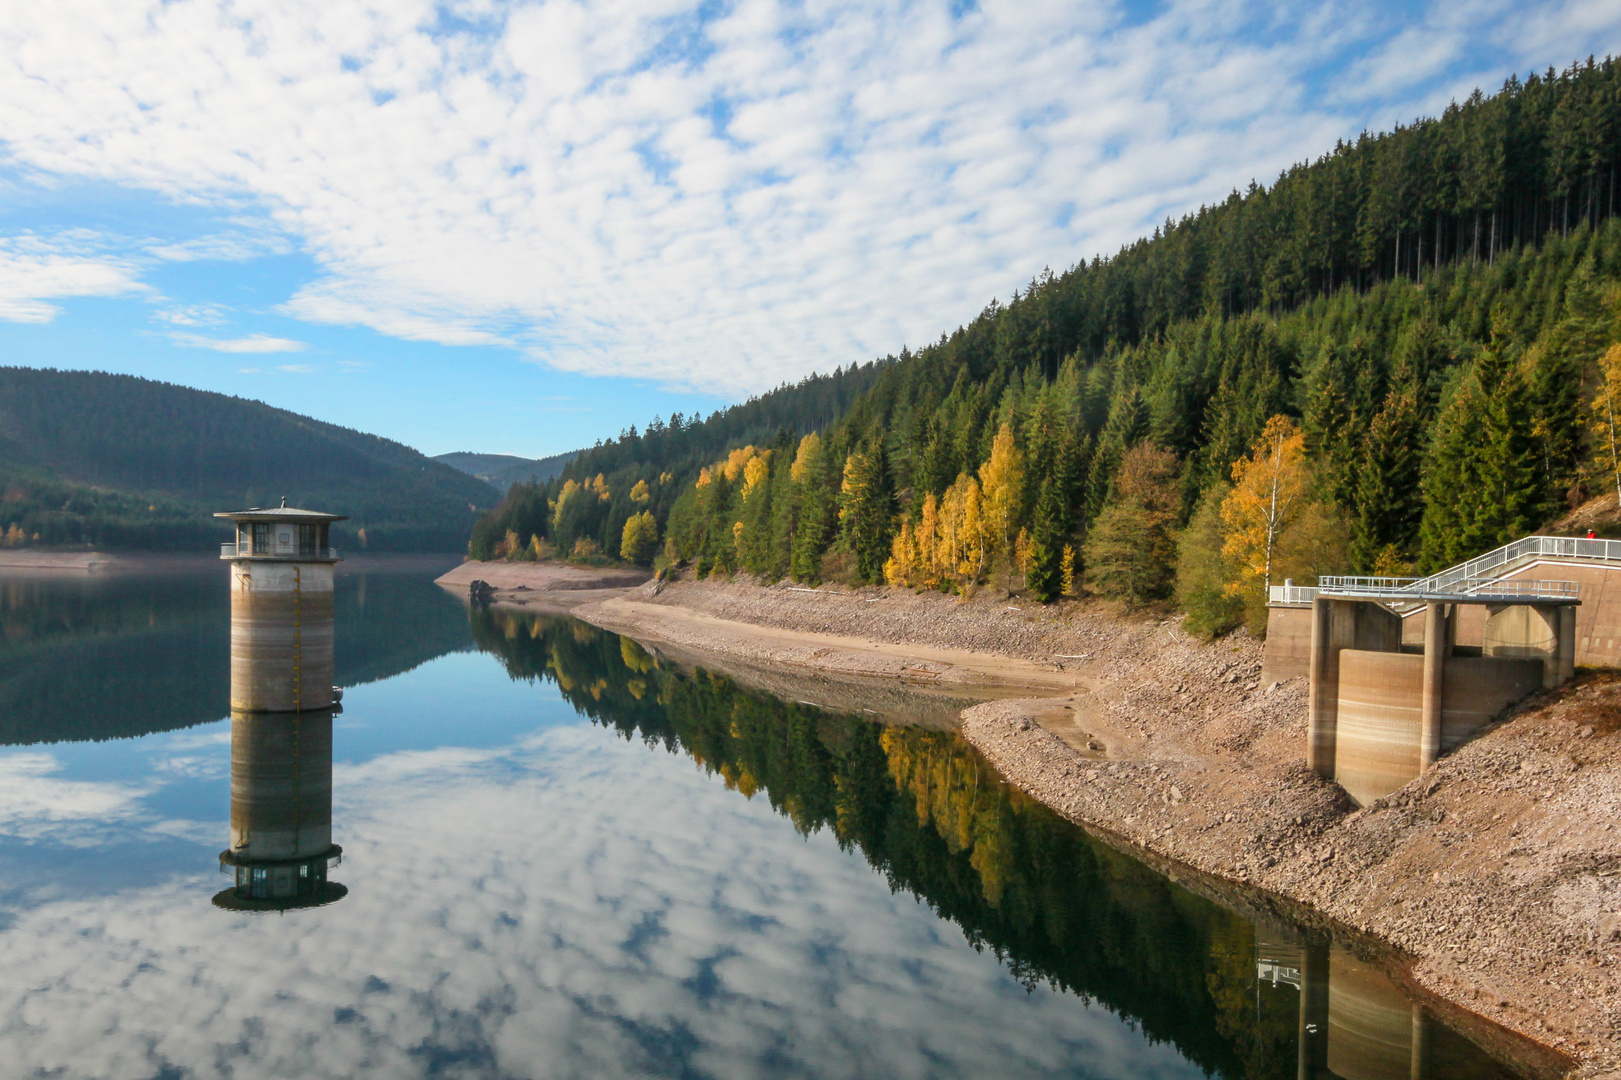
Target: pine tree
1389, 501
866, 509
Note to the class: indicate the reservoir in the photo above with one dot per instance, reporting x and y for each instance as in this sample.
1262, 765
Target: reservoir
555, 853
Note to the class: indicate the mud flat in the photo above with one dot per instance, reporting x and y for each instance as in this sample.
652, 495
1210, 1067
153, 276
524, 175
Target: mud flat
1496, 878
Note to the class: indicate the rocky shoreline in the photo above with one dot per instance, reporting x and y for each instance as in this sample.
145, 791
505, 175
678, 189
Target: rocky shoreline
1497, 877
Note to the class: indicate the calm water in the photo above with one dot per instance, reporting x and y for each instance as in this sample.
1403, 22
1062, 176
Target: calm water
564, 859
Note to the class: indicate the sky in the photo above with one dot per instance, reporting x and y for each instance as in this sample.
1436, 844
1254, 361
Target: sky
522, 227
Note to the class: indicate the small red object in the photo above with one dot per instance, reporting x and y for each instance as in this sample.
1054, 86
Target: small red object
1591, 535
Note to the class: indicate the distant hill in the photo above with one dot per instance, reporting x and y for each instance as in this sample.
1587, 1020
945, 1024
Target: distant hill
117, 461
504, 470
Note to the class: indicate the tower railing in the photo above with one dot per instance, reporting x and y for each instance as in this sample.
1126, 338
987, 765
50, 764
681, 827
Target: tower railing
245, 551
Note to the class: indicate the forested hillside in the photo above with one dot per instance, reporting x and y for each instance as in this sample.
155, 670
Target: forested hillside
664, 460
1395, 356
118, 461
503, 470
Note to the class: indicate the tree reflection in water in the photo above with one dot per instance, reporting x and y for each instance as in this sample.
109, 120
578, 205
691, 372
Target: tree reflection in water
1055, 905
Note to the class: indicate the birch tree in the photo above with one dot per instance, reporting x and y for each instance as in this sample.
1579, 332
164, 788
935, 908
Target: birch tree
1269, 489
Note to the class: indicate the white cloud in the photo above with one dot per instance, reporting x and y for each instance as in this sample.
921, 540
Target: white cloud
810, 185
253, 343
35, 270
220, 248
191, 315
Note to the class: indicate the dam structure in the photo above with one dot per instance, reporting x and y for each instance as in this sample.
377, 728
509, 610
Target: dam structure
282, 704
1402, 670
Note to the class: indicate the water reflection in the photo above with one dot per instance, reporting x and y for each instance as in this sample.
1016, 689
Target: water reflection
537, 896
281, 813
124, 655
1056, 906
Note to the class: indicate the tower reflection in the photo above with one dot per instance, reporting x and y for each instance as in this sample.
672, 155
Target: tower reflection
281, 813
1355, 1023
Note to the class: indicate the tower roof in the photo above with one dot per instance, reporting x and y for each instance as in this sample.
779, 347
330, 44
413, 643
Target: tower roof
282, 514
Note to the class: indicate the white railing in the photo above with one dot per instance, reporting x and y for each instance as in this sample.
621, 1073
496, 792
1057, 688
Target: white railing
1415, 589
229, 551
1480, 568
1290, 593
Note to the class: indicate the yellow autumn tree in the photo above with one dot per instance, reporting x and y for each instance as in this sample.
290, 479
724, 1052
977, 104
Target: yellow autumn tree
640, 540
901, 566
1001, 483
1269, 491
640, 493
962, 546
810, 448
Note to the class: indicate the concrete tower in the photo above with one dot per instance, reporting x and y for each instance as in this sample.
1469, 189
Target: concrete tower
281, 609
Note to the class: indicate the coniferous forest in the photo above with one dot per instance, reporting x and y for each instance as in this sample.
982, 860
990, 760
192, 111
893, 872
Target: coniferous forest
1392, 358
92, 459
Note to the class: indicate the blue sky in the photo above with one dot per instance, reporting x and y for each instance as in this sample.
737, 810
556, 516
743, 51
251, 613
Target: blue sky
520, 227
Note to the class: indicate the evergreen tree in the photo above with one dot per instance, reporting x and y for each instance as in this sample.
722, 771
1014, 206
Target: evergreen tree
866, 509
1389, 501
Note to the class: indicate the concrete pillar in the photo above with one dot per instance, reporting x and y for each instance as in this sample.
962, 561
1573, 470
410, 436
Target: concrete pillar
1436, 626
1312, 1060
1325, 690
281, 635
1567, 643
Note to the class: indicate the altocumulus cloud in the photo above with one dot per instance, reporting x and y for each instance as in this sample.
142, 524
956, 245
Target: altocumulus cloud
716, 196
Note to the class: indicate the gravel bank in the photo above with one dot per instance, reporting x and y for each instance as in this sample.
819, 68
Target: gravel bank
1499, 874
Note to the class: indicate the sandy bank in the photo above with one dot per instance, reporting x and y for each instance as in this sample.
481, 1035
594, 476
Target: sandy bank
74, 562
544, 585
1499, 874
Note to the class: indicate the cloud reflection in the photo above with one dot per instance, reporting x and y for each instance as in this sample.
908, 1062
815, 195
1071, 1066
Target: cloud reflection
569, 906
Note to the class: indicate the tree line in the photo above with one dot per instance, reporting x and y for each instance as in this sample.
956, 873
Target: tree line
1409, 339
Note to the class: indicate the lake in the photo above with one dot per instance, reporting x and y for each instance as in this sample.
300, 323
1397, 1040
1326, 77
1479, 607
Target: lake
563, 856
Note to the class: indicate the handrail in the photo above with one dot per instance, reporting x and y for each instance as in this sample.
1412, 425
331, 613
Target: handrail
229, 551
1478, 568
1412, 589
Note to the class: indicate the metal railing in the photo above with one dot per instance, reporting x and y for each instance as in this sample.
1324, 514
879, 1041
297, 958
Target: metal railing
230, 551
1479, 568
1292, 594
1415, 589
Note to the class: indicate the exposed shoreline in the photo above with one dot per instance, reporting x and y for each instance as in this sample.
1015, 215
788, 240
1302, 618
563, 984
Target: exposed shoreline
1498, 876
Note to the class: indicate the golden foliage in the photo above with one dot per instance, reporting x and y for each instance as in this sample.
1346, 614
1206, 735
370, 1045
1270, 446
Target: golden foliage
755, 471
1269, 489
1001, 481
810, 449
640, 493
640, 539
